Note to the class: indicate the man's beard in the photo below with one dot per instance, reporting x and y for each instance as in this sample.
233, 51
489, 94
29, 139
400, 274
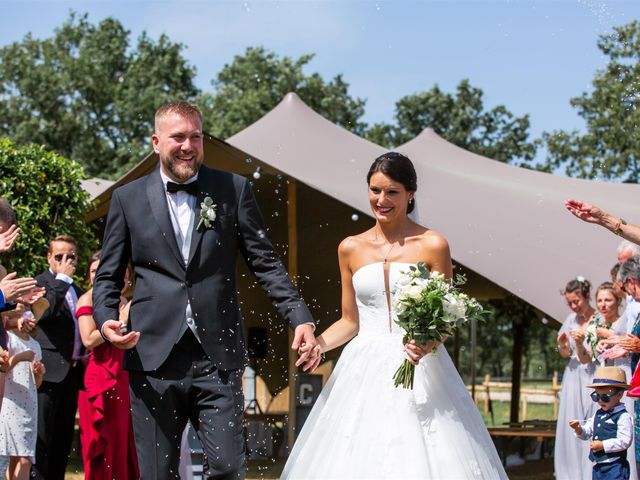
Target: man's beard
182, 173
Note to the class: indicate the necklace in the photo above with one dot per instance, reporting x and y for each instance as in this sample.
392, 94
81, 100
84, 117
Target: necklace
384, 260
386, 255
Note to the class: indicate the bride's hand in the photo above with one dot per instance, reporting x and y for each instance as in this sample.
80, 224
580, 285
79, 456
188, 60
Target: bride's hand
416, 352
314, 357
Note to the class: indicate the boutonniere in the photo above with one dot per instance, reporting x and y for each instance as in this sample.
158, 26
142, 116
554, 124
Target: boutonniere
207, 213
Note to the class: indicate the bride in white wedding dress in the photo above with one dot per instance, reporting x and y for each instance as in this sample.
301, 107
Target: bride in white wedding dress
362, 427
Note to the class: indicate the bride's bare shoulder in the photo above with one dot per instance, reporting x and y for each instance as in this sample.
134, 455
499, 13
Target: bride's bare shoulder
353, 243
433, 241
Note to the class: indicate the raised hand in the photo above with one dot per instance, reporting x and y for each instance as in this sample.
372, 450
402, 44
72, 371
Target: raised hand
32, 296
111, 329
575, 424
7, 238
617, 351
578, 335
630, 343
66, 265
13, 287
584, 211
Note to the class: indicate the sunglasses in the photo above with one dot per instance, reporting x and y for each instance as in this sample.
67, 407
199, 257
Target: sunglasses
605, 397
58, 256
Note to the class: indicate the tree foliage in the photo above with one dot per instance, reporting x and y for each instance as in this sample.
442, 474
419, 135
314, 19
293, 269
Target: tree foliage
462, 120
87, 94
610, 146
254, 83
45, 191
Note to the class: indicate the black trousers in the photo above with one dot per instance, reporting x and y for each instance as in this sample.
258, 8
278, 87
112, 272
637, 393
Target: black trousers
57, 406
188, 386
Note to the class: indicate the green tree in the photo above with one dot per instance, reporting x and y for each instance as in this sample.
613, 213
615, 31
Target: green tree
256, 82
45, 192
610, 146
462, 120
89, 95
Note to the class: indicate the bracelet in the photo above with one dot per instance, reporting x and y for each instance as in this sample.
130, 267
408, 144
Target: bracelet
618, 228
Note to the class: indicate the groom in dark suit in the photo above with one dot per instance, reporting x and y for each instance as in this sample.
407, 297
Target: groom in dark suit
182, 227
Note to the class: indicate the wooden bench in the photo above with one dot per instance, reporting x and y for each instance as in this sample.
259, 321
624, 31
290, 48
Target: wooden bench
540, 430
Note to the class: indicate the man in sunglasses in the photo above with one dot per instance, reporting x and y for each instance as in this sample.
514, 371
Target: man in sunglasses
611, 428
62, 354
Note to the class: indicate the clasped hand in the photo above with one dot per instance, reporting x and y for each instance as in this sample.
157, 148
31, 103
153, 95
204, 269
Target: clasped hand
415, 352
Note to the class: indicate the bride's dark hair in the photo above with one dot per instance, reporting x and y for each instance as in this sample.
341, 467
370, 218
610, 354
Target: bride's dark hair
399, 169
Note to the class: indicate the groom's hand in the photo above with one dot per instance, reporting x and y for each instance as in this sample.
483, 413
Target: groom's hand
111, 331
304, 341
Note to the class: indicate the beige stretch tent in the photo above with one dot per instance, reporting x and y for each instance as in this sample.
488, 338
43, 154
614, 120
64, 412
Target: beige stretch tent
506, 223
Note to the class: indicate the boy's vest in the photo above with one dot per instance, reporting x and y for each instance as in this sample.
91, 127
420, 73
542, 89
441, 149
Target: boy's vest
605, 427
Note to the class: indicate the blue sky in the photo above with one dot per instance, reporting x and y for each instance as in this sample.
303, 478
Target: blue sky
531, 56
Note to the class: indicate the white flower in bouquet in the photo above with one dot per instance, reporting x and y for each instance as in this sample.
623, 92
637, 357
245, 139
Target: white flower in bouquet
454, 307
429, 308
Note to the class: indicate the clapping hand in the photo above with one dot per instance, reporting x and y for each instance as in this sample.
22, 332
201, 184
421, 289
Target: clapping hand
13, 287
578, 335
4, 361
584, 211
112, 331
617, 351
630, 343
32, 296
7, 238
38, 368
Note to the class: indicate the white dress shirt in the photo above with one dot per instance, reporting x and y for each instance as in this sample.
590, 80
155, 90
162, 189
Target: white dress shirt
182, 211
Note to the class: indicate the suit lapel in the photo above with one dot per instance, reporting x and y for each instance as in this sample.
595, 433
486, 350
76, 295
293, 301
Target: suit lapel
160, 210
197, 233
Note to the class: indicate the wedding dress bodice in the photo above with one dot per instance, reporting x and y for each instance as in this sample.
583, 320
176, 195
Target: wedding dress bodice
371, 297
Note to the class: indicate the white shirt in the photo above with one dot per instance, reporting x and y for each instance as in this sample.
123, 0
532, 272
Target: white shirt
182, 208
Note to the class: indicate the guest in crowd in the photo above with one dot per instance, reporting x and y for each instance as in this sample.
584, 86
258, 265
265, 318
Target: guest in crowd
108, 446
571, 455
605, 322
626, 250
62, 354
610, 428
19, 414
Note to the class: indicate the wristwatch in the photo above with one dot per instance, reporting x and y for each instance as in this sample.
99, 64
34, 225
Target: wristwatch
618, 228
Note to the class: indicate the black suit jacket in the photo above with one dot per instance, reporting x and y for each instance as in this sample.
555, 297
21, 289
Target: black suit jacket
139, 230
56, 328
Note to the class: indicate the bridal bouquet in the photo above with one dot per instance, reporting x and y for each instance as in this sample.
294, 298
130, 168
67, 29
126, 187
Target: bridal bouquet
429, 308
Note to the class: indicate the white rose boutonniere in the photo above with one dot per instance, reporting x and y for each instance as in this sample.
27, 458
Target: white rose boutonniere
207, 213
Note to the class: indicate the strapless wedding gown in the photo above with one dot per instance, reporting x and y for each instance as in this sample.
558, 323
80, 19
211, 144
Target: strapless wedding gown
362, 427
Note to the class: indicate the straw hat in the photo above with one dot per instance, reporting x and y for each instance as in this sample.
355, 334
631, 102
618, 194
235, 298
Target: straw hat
609, 377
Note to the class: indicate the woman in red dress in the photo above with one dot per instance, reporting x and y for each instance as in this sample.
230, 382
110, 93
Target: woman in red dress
106, 430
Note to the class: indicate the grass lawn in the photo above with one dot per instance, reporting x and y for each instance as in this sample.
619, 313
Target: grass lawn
501, 413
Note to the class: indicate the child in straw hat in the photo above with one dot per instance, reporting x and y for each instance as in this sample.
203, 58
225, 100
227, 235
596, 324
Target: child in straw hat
611, 428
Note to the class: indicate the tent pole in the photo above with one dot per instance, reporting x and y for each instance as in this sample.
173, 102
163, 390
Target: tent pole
474, 348
516, 370
292, 222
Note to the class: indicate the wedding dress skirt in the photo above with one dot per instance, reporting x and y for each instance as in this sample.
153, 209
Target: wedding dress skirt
362, 427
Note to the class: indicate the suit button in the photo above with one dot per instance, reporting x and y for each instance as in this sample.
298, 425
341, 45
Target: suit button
188, 284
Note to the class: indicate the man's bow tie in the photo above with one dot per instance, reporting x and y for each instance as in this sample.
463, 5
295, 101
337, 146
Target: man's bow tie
190, 188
